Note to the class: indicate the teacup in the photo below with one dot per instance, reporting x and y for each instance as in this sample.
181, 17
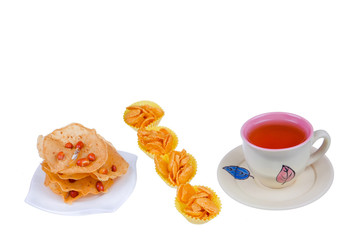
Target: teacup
278, 147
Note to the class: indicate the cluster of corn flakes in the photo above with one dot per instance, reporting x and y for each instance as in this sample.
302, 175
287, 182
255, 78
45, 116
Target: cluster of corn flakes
198, 204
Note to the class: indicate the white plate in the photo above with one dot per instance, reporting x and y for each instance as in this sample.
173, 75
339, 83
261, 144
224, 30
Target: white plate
313, 183
43, 198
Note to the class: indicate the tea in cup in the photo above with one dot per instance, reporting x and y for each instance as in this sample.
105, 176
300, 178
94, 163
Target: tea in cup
278, 147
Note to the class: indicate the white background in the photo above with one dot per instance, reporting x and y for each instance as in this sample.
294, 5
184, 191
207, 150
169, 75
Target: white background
211, 65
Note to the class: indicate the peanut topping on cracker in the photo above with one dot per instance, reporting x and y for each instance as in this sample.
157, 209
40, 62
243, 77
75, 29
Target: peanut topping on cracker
60, 156
69, 145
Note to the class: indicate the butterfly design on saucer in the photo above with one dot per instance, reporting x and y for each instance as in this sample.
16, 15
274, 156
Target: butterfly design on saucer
237, 172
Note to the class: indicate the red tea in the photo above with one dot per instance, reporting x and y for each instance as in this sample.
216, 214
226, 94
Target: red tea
276, 136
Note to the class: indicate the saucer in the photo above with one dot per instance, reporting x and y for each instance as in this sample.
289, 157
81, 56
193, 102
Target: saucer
313, 183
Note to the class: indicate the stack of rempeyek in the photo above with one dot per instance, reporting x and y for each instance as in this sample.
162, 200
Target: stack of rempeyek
78, 161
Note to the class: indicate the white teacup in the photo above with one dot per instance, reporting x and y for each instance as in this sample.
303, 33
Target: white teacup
277, 147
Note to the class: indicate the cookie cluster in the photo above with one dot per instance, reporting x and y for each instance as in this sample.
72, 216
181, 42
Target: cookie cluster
198, 204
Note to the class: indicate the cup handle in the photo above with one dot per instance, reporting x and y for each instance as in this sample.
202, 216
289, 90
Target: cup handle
323, 148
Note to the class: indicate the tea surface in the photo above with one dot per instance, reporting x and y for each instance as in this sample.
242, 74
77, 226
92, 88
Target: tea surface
276, 136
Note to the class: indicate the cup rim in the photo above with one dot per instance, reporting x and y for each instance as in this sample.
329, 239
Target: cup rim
262, 117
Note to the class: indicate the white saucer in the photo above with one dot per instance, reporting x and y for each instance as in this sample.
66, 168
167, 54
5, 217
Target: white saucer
310, 185
42, 197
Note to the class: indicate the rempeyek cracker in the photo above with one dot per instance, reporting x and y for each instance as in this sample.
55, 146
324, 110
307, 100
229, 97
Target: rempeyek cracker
85, 185
115, 165
70, 159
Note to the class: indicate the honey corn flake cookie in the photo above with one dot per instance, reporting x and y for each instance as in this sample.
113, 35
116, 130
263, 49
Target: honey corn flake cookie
156, 140
198, 204
143, 114
176, 167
